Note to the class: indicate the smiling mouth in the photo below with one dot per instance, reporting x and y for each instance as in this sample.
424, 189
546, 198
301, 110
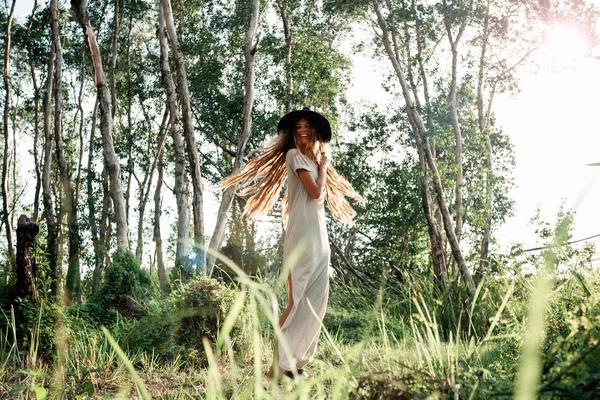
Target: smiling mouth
303, 136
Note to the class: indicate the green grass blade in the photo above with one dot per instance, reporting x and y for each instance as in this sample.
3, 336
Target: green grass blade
136, 379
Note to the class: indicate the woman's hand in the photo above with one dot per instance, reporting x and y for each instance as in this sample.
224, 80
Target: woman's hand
324, 161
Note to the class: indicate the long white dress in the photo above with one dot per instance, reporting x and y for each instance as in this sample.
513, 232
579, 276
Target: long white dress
306, 251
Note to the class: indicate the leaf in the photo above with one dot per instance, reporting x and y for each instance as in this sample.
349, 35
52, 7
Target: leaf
41, 393
18, 389
89, 388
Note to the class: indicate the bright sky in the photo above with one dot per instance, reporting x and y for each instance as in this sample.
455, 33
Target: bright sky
553, 125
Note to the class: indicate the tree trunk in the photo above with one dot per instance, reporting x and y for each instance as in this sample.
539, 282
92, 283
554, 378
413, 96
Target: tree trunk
36, 118
458, 198
26, 266
438, 254
160, 264
188, 131
228, 195
288, 62
107, 207
47, 198
113, 59
130, 163
73, 281
146, 185
417, 123
91, 203
81, 121
483, 120
110, 156
5, 208
183, 217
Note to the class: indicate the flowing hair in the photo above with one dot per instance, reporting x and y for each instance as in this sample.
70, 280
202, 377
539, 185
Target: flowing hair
263, 177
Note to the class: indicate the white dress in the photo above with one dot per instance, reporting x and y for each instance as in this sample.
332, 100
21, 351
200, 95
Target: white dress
306, 251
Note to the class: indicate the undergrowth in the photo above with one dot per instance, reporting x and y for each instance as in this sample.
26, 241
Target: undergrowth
209, 339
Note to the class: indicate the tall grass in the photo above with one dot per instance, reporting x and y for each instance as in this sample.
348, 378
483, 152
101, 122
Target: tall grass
404, 351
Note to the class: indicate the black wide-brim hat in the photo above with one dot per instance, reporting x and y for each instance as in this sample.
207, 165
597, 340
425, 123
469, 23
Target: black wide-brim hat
316, 120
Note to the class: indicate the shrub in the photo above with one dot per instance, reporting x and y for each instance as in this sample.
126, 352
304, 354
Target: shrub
124, 286
203, 305
349, 326
28, 320
572, 356
152, 333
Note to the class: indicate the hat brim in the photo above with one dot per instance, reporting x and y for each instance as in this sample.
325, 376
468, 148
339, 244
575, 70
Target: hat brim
316, 120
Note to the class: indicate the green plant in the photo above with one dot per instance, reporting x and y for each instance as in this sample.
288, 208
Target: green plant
34, 387
81, 382
202, 306
124, 286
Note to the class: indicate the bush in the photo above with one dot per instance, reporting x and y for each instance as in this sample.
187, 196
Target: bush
203, 305
572, 353
153, 333
349, 326
124, 287
28, 320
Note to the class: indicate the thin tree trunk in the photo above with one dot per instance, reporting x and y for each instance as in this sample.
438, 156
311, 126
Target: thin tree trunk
438, 255
36, 118
81, 119
113, 59
160, 264
458, 198
484, 132
417, 123
183, 217
91, 203
431, 211
106, 125
130, 163
146, 185
47, 199
5, 208
188, 132
105, 226
73, 281
228, 195
288, 61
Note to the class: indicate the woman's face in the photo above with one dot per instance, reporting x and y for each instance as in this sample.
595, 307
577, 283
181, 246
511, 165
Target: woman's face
303, 133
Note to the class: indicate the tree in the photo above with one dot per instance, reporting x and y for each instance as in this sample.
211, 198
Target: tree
80, 14
73, 281
5, 208
188, 132
250, 44
416, 122
183, 219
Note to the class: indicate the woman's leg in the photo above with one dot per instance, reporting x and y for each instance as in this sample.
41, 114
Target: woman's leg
282, 319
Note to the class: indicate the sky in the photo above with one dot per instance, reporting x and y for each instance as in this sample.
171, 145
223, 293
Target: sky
553, 124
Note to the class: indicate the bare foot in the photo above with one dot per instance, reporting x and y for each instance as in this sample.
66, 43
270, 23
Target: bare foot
271, 374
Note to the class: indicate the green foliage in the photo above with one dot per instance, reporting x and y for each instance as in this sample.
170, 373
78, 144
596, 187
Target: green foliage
572, 345
153, 333
202, 306
124, 287
35, 325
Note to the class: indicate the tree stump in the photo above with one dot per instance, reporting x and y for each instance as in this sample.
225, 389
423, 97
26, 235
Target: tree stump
26, 267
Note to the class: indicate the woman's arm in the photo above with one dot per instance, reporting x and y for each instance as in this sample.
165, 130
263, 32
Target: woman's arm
315, 188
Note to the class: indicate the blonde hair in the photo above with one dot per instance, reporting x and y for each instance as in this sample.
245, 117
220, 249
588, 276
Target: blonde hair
264, 176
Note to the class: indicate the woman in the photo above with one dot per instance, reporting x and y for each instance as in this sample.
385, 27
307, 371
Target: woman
300, 152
